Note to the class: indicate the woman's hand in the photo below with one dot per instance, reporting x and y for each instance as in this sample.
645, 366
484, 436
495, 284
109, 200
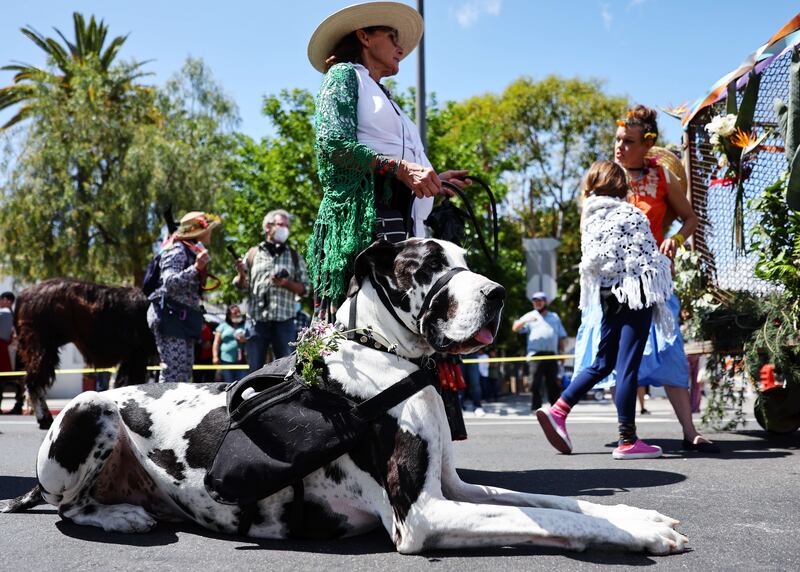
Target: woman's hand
201, 262
423, 181
669, 248
458, 178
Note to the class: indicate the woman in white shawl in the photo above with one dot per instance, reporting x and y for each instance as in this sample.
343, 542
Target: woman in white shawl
622, 268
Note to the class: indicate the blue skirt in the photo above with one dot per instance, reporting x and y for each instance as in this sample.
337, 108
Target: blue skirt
663, 363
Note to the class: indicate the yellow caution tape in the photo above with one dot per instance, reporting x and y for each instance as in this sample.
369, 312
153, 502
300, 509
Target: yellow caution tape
692, 351
113, 369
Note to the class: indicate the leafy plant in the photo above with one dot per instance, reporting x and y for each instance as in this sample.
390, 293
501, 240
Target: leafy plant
789, 124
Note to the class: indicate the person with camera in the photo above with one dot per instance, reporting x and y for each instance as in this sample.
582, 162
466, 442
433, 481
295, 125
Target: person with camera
272, 273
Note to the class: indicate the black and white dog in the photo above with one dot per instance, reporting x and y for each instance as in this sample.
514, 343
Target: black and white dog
123, 459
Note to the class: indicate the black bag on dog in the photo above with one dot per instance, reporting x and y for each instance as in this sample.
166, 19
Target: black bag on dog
281, 429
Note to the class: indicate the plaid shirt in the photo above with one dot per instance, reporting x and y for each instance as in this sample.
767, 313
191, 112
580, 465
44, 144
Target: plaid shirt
268, 302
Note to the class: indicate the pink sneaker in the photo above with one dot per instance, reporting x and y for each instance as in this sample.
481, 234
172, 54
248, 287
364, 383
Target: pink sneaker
639, 450
555, 429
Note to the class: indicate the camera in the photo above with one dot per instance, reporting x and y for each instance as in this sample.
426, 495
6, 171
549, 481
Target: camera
282, 273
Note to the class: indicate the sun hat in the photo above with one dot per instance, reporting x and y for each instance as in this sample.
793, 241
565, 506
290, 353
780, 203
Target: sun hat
403, 18
539, 296
666, 159
195, 224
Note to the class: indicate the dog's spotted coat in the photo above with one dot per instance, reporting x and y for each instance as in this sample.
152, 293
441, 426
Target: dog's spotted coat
126, 458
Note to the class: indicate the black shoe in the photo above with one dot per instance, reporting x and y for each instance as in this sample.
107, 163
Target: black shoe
644, 412
701, 447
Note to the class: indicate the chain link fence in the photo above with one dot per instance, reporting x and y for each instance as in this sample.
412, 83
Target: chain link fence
714, 205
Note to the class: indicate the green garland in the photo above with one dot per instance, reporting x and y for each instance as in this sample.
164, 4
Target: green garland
346, 218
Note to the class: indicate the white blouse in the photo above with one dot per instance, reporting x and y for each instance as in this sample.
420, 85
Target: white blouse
384, 127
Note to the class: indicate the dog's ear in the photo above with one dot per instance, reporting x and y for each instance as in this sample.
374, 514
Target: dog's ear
378, 257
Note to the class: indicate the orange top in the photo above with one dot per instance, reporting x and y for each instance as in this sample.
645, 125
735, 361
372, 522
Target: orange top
650, 194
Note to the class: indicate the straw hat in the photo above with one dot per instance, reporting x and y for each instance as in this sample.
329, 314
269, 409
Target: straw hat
330, 32
195, 224
669, 161
666, 159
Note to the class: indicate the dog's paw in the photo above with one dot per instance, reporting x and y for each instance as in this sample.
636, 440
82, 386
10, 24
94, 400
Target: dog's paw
114, 518
651, 537
662, 539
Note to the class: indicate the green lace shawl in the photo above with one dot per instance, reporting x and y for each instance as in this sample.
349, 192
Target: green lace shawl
346, 217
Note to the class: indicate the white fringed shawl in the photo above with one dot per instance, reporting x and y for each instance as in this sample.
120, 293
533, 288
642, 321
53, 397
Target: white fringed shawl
619, 252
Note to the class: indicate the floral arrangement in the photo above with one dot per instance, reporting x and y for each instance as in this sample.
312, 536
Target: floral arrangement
732, 144
733, 137
314, 343
321, 339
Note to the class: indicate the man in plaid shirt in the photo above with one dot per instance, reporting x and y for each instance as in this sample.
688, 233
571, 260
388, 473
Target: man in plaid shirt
272, 273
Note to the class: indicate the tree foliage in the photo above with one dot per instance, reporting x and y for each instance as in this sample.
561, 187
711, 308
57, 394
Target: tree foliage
99, 164
87, 49
555, 129
278, 172
103, 155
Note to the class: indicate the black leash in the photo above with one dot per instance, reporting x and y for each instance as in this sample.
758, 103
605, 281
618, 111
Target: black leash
494, 253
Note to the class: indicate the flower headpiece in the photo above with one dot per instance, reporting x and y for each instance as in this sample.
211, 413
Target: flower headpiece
624, 123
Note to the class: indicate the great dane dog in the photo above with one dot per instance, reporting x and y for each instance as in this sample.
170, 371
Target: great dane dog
123, 459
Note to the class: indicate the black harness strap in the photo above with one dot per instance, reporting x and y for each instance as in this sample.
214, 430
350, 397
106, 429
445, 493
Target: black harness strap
296, 519
247, 514
384, 297
393, 395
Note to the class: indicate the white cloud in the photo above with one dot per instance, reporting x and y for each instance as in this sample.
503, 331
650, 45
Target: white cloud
605, 13
467, 14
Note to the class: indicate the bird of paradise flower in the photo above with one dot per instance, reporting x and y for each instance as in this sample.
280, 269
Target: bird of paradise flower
677, 112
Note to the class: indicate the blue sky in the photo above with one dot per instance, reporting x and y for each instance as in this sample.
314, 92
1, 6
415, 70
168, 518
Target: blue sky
657, 52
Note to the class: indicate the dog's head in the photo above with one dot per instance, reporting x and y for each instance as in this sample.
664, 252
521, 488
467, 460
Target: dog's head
454, 311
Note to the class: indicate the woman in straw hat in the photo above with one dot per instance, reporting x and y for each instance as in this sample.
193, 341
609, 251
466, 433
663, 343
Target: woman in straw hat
370, 155
657, 185
183, 264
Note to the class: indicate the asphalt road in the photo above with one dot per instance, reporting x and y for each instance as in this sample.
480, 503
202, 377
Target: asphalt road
740, 509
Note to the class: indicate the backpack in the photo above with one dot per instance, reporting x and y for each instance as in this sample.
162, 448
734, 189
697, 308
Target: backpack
152, 274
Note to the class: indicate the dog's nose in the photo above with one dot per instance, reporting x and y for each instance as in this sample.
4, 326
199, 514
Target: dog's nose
495, 293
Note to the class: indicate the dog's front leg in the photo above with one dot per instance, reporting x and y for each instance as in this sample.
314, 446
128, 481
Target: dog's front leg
439, 523
456, 489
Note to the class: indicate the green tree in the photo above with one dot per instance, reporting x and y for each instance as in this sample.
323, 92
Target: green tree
556, 128
277, 172
85, 195
86, 50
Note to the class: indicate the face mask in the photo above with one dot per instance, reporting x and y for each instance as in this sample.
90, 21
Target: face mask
280, 234
238, 320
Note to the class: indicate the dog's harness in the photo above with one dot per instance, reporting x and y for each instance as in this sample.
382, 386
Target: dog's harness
363, 413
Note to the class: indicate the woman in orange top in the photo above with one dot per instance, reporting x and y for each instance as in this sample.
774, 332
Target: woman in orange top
655, 191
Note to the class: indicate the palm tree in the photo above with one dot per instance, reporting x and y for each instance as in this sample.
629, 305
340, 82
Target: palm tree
87, 49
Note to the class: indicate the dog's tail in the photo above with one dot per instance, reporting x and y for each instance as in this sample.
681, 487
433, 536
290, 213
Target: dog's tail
23, 502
